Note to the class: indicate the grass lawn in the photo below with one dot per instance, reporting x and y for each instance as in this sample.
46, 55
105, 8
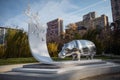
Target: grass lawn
24, 60
32, 60
17, 61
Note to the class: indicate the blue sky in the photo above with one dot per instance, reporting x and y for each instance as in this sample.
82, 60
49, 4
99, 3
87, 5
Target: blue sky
12, 11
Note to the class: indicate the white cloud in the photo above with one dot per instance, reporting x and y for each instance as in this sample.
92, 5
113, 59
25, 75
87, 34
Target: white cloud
47, 12
19, 21
53, 9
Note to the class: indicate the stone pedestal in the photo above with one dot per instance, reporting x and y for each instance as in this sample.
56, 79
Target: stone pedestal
66, 70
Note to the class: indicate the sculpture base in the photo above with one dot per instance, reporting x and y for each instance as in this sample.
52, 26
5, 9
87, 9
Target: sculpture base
66, 70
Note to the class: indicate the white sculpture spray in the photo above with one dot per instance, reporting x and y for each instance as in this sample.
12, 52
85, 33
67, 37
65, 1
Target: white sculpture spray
37, 38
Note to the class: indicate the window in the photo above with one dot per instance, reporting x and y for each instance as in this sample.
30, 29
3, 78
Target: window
117, 13
116, 7
115, 0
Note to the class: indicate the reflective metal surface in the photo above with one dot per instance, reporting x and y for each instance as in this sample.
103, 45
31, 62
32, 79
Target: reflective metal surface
86, 48
37, 42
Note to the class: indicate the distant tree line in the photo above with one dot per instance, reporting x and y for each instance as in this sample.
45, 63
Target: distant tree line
106, 40
16, 42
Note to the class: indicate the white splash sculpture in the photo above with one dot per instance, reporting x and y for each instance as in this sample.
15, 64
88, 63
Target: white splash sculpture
37, 38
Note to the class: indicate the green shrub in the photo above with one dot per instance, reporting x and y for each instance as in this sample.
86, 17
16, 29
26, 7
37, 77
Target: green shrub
53, 49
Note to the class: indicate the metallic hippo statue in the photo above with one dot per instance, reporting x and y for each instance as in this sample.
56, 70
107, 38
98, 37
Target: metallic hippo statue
78, 48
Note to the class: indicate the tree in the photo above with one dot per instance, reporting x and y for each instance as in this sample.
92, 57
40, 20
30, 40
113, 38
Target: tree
16, 44
53, 49
93, 36
116, 38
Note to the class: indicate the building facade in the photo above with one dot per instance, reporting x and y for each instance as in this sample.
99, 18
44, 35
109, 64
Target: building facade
89, 16
2, 34
115, 4
91, 21
54, 30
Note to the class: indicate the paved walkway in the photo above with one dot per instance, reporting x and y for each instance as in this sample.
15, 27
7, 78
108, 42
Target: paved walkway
5, 68
105, 77
115, 76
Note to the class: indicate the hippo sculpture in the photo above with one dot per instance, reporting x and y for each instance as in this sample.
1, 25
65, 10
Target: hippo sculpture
78, 48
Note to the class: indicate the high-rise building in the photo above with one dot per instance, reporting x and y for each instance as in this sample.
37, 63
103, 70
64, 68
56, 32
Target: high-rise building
89, 16
115, 4
54, 30
91, 21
